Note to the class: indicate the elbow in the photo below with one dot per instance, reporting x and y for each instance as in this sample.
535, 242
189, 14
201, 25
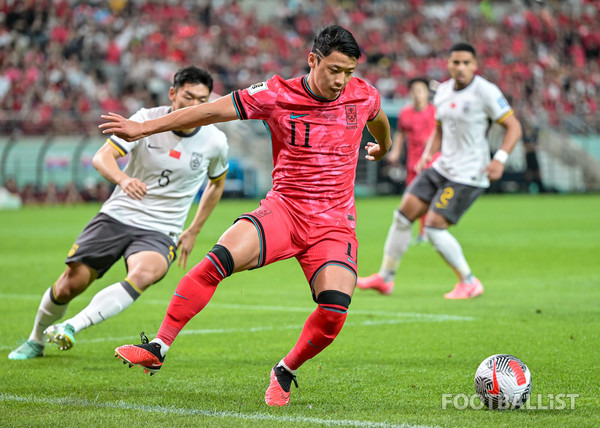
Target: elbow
96, 161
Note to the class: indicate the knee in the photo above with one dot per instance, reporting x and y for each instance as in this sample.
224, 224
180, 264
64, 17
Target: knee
333, 307
144, 276
215, 267
436, 221
334, 299
401, 222
71, 283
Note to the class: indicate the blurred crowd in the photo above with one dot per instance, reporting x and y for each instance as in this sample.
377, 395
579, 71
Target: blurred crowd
63, 62
53, 194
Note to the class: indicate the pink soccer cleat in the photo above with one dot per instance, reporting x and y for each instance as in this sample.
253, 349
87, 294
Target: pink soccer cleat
465, 291
278, 392
146, 355
375, 282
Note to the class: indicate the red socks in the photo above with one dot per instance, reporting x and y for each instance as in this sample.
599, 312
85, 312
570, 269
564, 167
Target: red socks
321, 327
192, 294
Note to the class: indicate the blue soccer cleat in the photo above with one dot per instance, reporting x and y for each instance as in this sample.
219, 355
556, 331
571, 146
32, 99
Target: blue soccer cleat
62, 334
28, 350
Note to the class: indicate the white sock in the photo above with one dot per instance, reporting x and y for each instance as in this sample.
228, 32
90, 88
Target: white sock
105, 304
396, 244
282, 364
163, 346
48, 313
451, 251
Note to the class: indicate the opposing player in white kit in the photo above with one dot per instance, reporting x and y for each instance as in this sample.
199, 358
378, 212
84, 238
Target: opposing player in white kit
142, 220
465, 106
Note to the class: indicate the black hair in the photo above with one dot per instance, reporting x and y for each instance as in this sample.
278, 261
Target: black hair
418, 79
192, 75
335, 38
463, 47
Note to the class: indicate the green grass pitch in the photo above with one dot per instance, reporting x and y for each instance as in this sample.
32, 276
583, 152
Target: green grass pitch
538, 258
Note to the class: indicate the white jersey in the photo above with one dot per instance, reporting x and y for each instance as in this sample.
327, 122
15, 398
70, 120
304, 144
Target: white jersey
466, 116
174, 166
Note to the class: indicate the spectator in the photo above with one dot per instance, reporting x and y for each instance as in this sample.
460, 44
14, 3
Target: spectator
101, 49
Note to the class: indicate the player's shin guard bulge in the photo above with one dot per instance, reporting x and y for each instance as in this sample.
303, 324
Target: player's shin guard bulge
320, 329
194, 291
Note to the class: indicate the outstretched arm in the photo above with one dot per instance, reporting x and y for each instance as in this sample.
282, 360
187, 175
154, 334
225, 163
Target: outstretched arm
380, 129
220, 110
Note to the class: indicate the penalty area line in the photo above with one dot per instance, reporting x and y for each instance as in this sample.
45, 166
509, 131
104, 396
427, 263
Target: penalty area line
183, 411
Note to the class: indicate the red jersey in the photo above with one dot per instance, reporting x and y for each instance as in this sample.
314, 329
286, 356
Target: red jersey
417, 127
315, 141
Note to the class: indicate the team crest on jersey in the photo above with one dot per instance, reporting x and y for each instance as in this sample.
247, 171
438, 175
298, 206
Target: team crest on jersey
195, 161
351, 115
466, 108
257, 87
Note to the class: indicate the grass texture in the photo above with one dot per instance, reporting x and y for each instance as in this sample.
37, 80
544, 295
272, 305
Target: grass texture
396, 357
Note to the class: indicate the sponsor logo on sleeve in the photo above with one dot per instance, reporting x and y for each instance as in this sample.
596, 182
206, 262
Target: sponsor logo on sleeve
257, 87
502, 103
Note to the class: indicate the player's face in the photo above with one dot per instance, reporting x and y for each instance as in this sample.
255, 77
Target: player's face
189, 95
330, 74
419, 93
462, 66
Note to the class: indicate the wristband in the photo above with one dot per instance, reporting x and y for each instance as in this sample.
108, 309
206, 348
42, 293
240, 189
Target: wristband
501, 156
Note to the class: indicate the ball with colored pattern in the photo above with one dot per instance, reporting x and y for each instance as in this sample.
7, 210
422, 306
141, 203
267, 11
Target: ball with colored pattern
503, 382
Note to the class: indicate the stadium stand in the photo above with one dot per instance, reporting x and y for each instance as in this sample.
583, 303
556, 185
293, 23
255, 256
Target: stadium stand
64, 62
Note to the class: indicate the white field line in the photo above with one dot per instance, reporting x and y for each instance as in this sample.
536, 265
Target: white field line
307, 310
121, 340
185, 411
396, 318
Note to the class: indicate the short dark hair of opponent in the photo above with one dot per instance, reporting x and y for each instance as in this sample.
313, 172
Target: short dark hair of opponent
463, 47
192, 75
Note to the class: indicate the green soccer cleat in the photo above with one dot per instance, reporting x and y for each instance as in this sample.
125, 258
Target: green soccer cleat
28, 350
62, 334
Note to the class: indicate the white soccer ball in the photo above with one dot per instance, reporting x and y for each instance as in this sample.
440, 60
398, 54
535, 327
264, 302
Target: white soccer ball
503, 382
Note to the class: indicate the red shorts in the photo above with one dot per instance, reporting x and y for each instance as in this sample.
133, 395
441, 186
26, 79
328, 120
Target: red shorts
284, 234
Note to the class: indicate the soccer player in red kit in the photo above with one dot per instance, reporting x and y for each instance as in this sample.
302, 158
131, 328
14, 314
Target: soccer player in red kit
416, 123
315, 122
